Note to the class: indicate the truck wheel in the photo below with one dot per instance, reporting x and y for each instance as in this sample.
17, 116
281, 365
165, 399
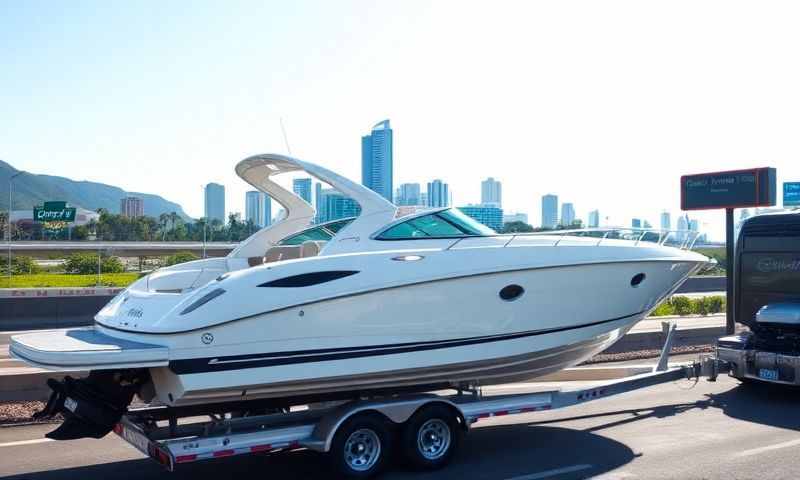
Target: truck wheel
431, 437
361, 446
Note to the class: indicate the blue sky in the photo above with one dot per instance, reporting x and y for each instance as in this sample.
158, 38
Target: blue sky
603, 103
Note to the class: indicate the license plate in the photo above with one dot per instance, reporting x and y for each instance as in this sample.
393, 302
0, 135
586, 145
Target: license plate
70, 404
767, 374
136, 439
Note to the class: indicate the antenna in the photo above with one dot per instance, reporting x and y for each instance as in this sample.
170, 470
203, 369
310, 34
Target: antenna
285, 138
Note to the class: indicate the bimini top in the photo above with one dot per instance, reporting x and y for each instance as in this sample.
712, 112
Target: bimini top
258, 171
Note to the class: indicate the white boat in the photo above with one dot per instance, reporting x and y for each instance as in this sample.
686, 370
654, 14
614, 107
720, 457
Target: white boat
373, 303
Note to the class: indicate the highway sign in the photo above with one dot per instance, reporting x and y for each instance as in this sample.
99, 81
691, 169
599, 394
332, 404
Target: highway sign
754, 187
54, 212
791, 194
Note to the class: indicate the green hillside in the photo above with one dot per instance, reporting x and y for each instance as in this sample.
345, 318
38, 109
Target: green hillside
32, 189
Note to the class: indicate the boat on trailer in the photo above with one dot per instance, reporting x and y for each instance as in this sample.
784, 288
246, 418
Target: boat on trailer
383, 302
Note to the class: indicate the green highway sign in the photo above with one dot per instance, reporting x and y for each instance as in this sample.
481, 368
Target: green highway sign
54, 212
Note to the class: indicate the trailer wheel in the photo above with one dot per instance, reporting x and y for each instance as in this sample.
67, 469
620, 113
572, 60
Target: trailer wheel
361, 446
431, 437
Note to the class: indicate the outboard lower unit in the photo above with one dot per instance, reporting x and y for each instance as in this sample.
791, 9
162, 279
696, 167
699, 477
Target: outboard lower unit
91, 406
766, 300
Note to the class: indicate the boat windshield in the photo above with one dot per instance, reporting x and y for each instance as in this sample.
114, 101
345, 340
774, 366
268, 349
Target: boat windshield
443, 224
322, 233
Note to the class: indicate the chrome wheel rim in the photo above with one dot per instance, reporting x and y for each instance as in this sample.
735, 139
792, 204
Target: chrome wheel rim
362, 450
433, 439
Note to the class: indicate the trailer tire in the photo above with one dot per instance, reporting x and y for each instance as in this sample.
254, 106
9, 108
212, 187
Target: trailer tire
361, 446
431, 437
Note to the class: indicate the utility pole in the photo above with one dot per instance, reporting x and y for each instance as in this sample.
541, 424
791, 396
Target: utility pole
8, 222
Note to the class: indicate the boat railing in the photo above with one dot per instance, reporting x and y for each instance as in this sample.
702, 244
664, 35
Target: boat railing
682, 239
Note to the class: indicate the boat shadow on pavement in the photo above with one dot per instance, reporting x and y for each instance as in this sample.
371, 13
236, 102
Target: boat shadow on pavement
491, 452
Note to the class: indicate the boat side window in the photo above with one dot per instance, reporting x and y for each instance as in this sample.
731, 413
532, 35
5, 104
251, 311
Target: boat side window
318, 233
423, 227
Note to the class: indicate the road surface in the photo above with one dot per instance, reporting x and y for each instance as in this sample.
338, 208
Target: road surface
712, 431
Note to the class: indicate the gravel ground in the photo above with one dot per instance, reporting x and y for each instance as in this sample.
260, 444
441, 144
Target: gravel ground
13, 413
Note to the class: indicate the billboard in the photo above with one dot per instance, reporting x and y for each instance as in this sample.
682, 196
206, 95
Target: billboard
754, 187
791, 194
53, 212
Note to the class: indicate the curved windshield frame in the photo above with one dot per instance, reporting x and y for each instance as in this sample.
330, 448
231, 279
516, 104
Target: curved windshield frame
450, 223
323, 232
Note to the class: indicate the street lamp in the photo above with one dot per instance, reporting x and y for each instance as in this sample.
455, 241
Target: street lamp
8, 222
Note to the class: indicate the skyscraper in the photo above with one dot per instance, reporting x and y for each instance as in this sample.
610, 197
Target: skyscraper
376, 160
215, 202
409, 194
549, 211
266, 219
254, 207
636, 223
302, 187
131, 207
438, 194
492, 192
567, 214
335, 205
666, 221
594, 219
490, 215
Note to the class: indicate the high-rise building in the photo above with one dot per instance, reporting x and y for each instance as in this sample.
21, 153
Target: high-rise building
215, 202
567, 214
489, 215
646, 224
636, 223
335, 205
491, 192
549, 211
666, 221
266, 219
302, 187
438, 194
254, 207
376, 160
131, 207
594, 219
409, 194
515, 217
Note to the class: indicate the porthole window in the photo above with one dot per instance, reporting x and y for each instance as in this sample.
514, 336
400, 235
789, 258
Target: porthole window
637, 279
511, 292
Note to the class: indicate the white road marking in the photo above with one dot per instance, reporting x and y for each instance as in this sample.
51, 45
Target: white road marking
756, 451
552, 473
25, 442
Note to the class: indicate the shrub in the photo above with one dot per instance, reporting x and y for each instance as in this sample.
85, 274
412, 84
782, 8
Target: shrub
681, 305
181, 257
86, 263
20, 265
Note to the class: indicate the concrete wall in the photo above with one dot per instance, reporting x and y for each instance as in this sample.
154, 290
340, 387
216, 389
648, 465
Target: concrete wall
49, 312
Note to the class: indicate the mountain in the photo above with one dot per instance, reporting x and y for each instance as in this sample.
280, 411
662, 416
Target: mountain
32, 189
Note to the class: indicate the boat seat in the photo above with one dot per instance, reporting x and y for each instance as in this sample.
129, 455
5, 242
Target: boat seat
311, 248
282, 252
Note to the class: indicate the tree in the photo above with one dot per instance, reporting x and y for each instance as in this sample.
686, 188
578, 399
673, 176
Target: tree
86, 264
180, 257
516, 227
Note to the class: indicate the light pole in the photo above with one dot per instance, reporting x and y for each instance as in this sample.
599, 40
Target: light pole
8, 222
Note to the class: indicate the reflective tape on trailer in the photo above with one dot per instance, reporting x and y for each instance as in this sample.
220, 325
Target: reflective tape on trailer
229, 452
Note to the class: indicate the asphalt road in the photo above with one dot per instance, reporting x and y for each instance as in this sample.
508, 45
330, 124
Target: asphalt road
717, 430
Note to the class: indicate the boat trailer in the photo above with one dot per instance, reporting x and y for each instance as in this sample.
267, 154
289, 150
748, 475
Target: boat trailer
426, 427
